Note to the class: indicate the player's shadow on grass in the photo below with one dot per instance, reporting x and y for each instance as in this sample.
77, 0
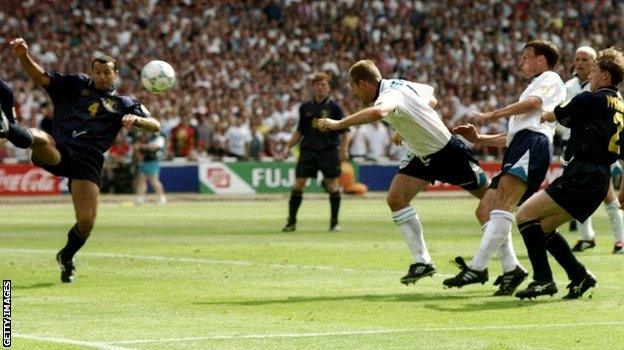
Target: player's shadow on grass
414, 297
495, 304
35, 286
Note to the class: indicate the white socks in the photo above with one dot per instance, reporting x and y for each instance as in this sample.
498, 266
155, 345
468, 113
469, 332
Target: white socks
410, 227
615, 218
495, 233
586, 229
507, 255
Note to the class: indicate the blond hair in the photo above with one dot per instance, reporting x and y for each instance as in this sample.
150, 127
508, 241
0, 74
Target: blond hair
364, 70
612, 60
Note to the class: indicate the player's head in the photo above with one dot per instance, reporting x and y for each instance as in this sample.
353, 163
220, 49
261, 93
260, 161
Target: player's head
321, 85
103, 72
608, 69
584, 58
538, 56
363, 79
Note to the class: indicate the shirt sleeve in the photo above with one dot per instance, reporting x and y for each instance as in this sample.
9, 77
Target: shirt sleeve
548, 92
390, 98
300, 122
424, 90
576, 111
64, 86
138, 109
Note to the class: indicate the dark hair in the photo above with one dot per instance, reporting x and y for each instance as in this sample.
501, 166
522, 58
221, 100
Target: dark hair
105, 60
320, 76
546, 49
612, 60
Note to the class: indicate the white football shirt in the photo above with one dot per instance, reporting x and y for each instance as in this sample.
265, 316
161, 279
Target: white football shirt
548, 87
420, 126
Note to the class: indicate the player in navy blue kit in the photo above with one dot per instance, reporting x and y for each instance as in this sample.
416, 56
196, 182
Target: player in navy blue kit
88, 114
6, 103
596, 120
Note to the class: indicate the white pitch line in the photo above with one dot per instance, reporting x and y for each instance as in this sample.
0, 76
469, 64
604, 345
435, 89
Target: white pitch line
374, 331
205, 261
237, 263
96, 345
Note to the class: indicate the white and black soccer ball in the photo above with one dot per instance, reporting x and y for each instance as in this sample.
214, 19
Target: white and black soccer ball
158, 76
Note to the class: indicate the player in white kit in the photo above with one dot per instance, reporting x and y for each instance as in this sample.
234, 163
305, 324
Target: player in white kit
435, 154
524, 167
584, 58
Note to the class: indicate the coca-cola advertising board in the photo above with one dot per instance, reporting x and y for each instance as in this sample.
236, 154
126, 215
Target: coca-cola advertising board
26, 179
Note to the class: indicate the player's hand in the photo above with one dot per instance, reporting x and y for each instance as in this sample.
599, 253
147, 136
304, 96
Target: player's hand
480, 117
327, 124
129, 120
19, 47
468, 131
396, 139
547, 117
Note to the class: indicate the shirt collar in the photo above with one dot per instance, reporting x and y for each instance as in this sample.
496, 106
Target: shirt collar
378, 90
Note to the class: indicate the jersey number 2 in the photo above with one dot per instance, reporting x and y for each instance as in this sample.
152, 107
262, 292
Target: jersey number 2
93, 109
618, 118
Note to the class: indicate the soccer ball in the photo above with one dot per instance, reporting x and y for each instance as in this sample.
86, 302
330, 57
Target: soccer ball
157, 76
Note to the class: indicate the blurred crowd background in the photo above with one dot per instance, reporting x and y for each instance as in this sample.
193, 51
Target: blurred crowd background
244, 66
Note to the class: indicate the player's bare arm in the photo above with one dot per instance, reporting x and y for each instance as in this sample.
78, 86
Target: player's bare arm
470, 133
149, 124
365, 116
344, 146
531, 104
296, 137
32, 68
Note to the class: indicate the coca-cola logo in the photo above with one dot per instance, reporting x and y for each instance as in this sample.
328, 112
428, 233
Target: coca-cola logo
34, 180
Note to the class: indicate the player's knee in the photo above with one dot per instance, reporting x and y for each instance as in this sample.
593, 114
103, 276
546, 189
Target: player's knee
85, 223
523, 215
396, 202
41, 138
482, 213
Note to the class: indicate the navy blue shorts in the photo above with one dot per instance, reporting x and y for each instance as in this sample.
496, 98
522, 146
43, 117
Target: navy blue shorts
527, 158
311, 161
581, 188
79, 162
453, 164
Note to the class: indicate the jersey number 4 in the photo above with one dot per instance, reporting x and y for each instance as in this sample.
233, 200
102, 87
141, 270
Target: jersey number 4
93, 109
614, 145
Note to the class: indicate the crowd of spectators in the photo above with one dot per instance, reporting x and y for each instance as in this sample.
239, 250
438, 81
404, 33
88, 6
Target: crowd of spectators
243, 66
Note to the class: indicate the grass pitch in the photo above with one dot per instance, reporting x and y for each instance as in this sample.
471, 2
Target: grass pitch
221, 275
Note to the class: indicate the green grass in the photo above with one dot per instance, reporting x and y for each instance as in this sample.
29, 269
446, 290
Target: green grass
222, 275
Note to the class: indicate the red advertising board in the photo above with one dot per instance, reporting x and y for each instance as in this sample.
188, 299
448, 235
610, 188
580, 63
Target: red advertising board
493, 168
26, 179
